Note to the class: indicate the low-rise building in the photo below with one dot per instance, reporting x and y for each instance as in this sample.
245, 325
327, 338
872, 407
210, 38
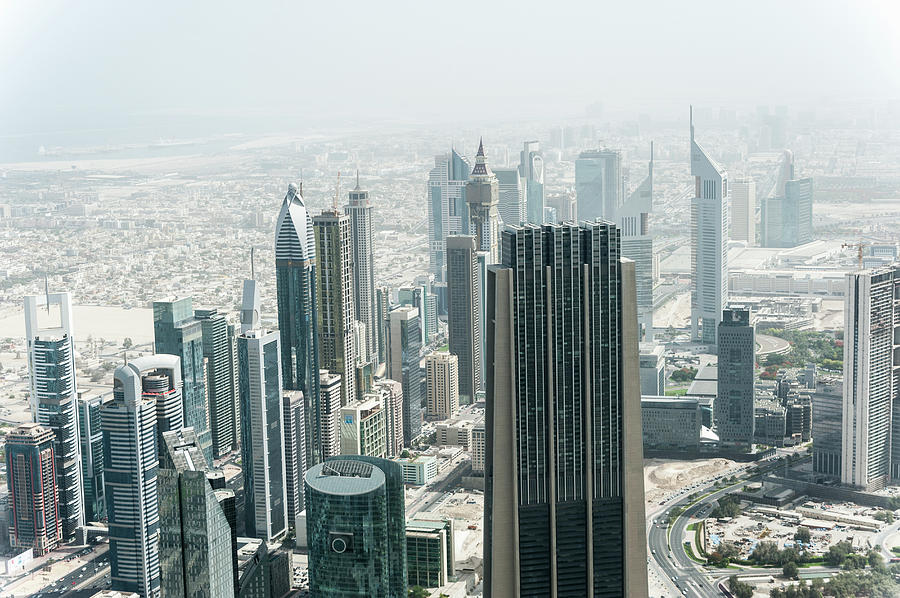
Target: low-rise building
769, 426
675, 423
429, 550
653, 369
455, 433
419, 470
363, 428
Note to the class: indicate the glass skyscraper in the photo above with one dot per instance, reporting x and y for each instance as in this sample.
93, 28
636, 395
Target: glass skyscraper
599, 184
91, 439
404, 349
733, 409
356, 527
221, 379
463, 309
447, 211
531, 168
564, 500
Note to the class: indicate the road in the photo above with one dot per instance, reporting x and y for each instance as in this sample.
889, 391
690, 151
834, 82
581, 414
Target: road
438, 489
771, 344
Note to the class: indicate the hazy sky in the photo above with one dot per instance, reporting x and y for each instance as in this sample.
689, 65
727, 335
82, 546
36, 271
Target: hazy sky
91, 63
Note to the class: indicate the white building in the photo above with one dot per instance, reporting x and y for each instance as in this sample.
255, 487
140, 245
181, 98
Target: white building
362, 427
330, 404
419, 470
442, 385
743, 210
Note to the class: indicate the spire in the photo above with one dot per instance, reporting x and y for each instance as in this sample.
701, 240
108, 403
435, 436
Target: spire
692, 121
480, 147
481, 167
651, 158
357, 180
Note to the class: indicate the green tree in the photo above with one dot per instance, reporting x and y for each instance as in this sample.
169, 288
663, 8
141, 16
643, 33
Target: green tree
802, 535
127, 343
790, 570
837, 553
739, 588
418, 592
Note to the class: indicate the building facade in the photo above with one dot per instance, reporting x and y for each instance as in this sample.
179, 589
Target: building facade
733, 409
599, 184
34, 510
330, 403
482, 200
363, 427
362, 236
531, 168
827, 414
447, 211
391, 393
743, 211
91, 438
633, 218
219, 348
441, 384
511, 196
404, 344
463, 309
293, 422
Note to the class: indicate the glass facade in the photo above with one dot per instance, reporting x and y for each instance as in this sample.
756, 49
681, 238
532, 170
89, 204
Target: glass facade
91, 438
220, 380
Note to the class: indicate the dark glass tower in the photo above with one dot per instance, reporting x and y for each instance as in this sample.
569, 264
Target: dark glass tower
404, 349
218, 349
564, 497
733, 407
356, 527
463, 306
295, 277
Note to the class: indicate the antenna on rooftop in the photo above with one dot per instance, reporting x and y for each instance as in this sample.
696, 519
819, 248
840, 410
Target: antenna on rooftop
252, 265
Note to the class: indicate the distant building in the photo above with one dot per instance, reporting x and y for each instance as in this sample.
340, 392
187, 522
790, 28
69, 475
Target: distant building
447, 211
482, 199
511, 204
653, 369
798, 419
419, 470
220, 351
430, 550
787, 217
633, 218
734, 405
827, 417
91, 438
675, 423
463, 314
743, 211
356, 527
441, 382
531, 168
330, 403
362, 235
404, 343
418, 296
363, 428
599, 184
34, 520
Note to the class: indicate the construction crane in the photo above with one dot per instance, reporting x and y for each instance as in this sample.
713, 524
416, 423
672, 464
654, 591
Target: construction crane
859, 250
337, 192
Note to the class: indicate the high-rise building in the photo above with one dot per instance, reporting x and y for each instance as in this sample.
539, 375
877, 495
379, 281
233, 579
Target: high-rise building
599, 184
429, 550
787, 219
362, 235
482, 197
382, 307
262, 434
827, 409
531, 167
330, 402
564, 508
293, 420
363, 427
404, 347
733, 409
91, 438
51, 367
141, 406
356, 526
34, 519
478, 447
197, 557
743, 210
633, 218
511, 202
447, 211
219, 349
391, 393
295, 279
870, 436
334, 289
177, 332
418, 296
653, 370
442, 385
709, 244
463, 308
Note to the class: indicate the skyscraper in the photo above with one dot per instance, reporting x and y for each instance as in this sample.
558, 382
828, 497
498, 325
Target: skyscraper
564, 507
531, 167
482, 193
363, 427
382, 307
294, 453
733, 408
787, 217
90, 437
870, 436
51, 367
442, 385
425, 302
330, 402
404, 347
130, 422
363, 258
295, 278
196, 554
709, 244
511, 201
447, 211
743, 210
334, 288
463, 309
218, 349
391, 393
34, 520
262, 435
599, 184
177, 332
356, 526
633, 218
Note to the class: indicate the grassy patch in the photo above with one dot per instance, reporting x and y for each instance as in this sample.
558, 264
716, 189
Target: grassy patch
676, 392
896, 549
692, 526
690, 553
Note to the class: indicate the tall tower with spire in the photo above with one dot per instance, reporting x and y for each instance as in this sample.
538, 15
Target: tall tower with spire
295, 278
362, 235
482, 199
633, 218
709, 243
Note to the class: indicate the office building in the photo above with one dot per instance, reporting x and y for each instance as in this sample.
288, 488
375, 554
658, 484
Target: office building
51, 367
709, 244
146, 399
195, 539
511, 203
334, 289
733, 407
455, 433
787, 219
262, 433
356, 526
177, 332
419, 470
90, 437
463, 309
441, 384
391, 393
425, 302
382, 307
34, 520
293, 421
531, 168
479, 443
827, 413
219, 350
743, 211
363, 427
676, 424
769, 422
482, 197
330, 403
870, 419
295, 279
653, 369
447, 211
599, 184
429, 550
264, 570
562, 338
633, 218
362, 236
404, 348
